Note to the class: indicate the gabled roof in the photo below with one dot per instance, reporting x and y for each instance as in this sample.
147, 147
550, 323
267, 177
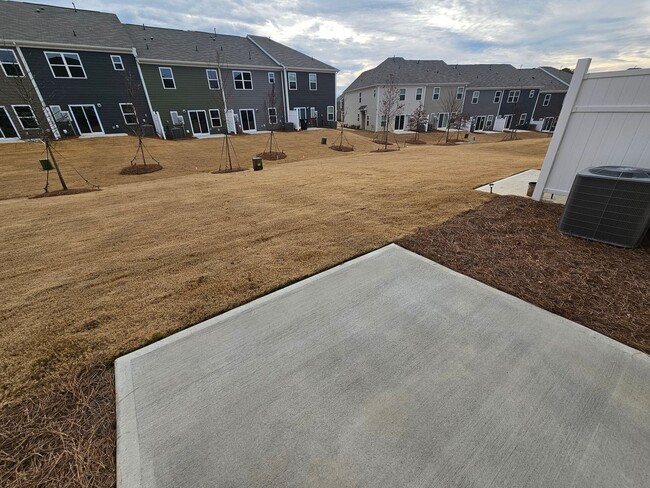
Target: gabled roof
400, 71
289, 57
36, 24
160, 44
558, 73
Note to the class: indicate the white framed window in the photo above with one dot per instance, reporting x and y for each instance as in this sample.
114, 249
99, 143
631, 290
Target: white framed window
65, 65
273, 115
522, 119
547, 100
475, 95
497, 96
460, 91
382, 121
513, 96
359, 97
10, 64
60, 116
330, 113
128, 112
358, 117
271, 77
436, 93
215, 117
313, 113
25, 116
118, 65
531, 94
213, 79
488, 122
293, 81
402, 94
243, 80
313, 82
167, 77
418, 93
176, 119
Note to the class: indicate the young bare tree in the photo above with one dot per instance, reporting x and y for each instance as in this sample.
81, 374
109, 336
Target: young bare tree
338, 143
452, 106
34, 117
272, 150
418, 122
390, 106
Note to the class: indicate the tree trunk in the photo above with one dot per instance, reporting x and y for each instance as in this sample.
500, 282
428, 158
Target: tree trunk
48, 150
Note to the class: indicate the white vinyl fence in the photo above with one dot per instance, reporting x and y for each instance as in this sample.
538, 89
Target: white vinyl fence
605, 120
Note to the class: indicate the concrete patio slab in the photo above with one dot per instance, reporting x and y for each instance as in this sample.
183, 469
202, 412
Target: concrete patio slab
387, 371
517, 184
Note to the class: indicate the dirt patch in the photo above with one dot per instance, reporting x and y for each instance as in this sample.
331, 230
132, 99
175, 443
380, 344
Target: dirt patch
58, 193
415, 141
379, 141
140, 169
226, 171
388, 149
342, 148
513, 244
272, 156
65, 438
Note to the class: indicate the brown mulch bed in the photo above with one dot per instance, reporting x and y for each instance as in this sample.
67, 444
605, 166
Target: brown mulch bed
342, 148
513, 244
272, 156
140, 169
415, 141
58, 193
63, 439
380, 141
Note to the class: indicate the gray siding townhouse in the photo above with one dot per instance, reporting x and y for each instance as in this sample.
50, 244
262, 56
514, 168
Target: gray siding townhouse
551, 98
194, 78
81, 66
309, 84
19, 118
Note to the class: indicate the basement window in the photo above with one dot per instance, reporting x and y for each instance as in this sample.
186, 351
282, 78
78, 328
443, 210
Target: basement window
10, 64
65, 65
213, 79
167, 77
118, 65
26, 116
128, 112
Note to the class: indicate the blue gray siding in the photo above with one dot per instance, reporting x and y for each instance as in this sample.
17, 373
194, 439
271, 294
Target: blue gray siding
320, 99
525, 105
19, 91
553, 109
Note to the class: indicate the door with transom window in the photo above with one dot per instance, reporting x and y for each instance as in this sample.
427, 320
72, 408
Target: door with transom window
86, 119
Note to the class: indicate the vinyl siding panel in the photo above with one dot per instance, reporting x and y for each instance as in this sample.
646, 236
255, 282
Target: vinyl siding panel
553, 109
320, 99
18, 91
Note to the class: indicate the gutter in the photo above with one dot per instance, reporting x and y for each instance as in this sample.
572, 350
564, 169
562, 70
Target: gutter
146, 92
553, 76
80, 47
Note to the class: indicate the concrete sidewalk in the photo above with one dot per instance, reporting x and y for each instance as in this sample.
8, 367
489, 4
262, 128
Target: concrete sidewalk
386, 371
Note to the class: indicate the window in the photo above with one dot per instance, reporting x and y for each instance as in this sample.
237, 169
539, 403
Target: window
497, 96
60, 116
383, 121
273, 115
293, 81
128, 112
359, 97
374, 93
513, 96
436, 93
118, 65
402, 94
460, 91
313, 113
488, 123
418, 93
547, 100
213, 79
531, 94
9, 63
26, 116
271, 77
167, 76
358, 117
522, 119
313, 82
243, 80
215, 117
475, 95
330, 113
65, 65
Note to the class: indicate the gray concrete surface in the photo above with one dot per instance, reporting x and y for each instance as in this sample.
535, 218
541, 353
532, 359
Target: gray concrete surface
387, 371
517, 184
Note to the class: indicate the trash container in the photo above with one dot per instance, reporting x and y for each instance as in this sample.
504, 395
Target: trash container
323, 140
531, 188
257, 164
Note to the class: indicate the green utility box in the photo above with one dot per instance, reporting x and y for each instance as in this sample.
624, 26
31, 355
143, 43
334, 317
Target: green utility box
46, 164
323, 140
257, 164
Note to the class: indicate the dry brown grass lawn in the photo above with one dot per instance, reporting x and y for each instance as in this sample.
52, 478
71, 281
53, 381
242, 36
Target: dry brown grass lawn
88, 277
438, 137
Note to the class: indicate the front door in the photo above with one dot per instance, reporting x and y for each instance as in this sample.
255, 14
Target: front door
7, 129
548, 123
480, 122
363, 120
443, 120
247, 117
199, 122
86, 119
508, 121
399, 122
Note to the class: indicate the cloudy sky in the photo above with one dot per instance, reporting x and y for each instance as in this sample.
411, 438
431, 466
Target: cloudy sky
355, 35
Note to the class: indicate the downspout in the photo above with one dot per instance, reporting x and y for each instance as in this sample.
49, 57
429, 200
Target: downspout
535, 106
146, 92
48, 116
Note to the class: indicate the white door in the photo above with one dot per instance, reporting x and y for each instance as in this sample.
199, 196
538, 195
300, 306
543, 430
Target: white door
7, 128
198, 122
86, 119
247, 118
